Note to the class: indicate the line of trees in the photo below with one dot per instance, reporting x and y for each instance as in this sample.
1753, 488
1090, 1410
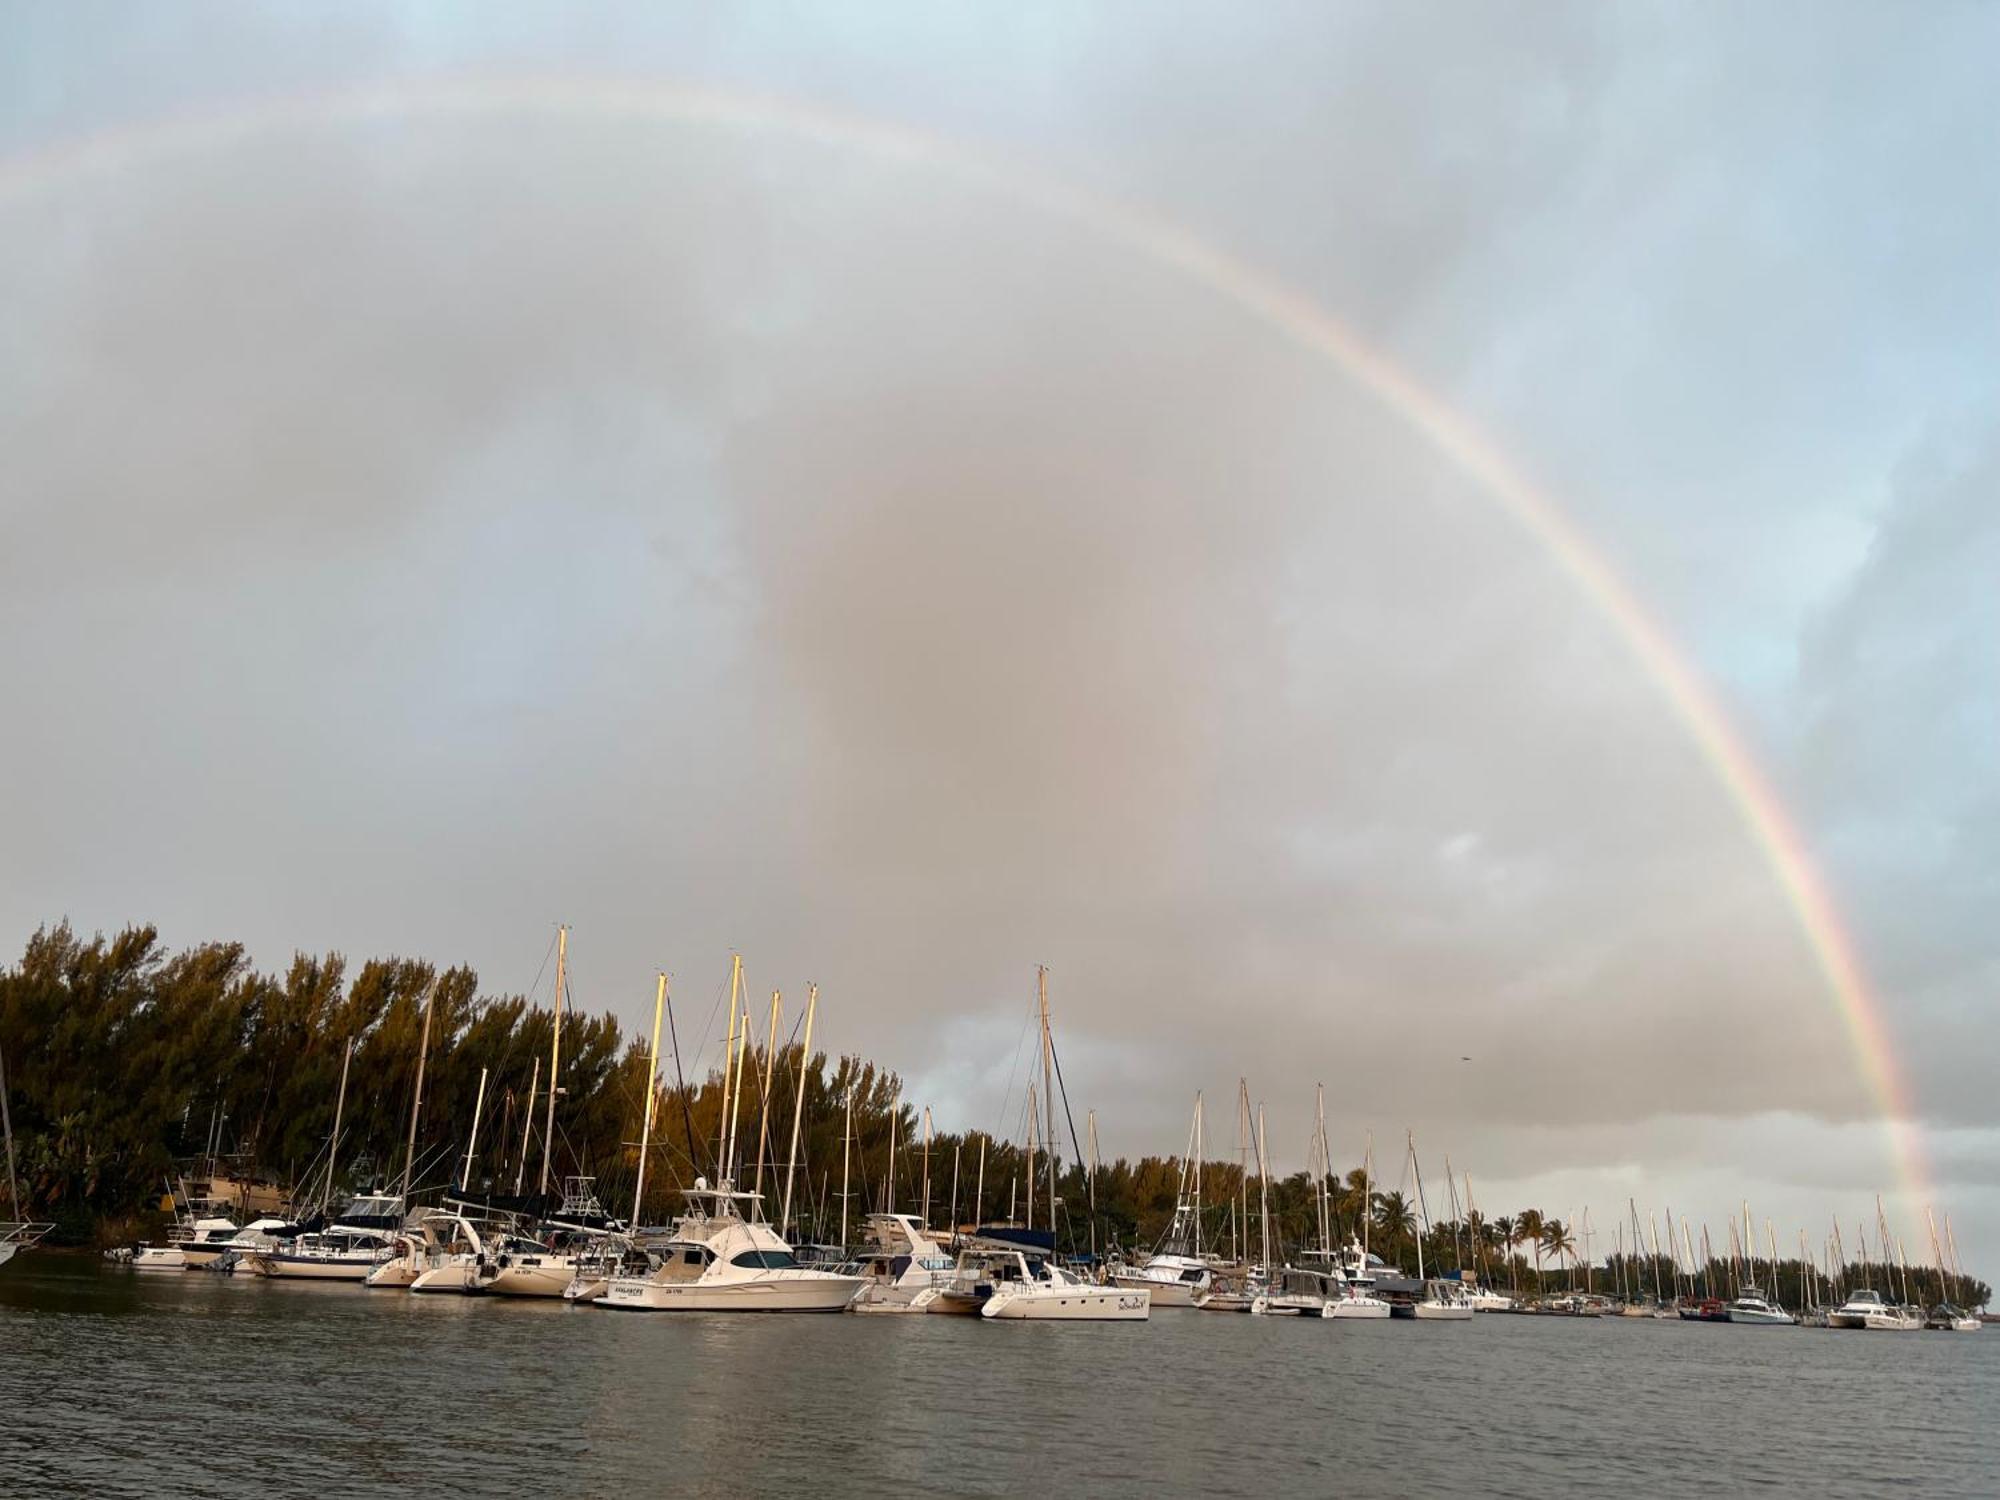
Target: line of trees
127, 1062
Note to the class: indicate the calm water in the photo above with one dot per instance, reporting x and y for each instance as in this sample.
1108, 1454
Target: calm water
115, 1382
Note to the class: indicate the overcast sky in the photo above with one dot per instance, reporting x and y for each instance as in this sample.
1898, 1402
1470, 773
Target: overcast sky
421, 526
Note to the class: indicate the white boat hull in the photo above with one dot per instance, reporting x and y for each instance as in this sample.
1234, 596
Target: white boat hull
1442, 1312
1356, 1307
1077, 1304
281, 1267
159, 1258
1161, 1293
781, 1291
548, 1277
1761, 1319
584, 1289
453, 1275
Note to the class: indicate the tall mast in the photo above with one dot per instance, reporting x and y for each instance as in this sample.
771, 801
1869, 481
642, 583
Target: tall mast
7, 1125
979, 1193
1421, 1210
1325, 1166
798, 1113
1199, 1148
417, 1094
1048, 1093
527, 1130
1090, 1182
1264, 1195
926, 1196
725, 1147
764, 1091
846, 1154
956, 1147
895, 1129
332, 1141
652, 1093
472, 1141
1367, 1195
555, 1056
1034, 1129
736, 1106
1242, 1230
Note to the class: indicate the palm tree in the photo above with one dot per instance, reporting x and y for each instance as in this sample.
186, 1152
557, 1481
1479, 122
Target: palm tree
1558, 1241
1528, 1228
1394, 1219
1502, 1230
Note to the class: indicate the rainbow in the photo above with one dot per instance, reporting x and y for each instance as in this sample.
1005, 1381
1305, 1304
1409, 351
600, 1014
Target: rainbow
1283, 310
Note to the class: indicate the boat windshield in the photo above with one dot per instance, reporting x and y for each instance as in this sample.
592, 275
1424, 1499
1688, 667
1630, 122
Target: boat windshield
769, 1260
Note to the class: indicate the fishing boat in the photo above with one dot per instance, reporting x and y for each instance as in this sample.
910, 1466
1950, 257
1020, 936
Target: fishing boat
1947, 1318
723, 1257
1751, 1306
1305, 1293
1866, 1309
1442, 1301
1176, 1272
904, 1261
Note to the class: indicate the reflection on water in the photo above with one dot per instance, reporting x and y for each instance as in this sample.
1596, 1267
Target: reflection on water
117, 1382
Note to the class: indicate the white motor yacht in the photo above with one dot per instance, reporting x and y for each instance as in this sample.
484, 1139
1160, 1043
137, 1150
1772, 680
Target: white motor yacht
1948, 1318
1442, 1301
1753, 1307
719, 1260
1356, 1302
1305, 1293
904, 1261
1173, 1275
1866, 1309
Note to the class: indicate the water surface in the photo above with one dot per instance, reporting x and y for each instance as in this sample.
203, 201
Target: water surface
118, 1383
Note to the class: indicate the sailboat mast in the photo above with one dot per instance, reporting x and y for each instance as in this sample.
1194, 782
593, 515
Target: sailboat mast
7, 1125
652, 1093
736, 1101
926, 1195
1199, 1147
332, 1141
527, 1130
555, 1056
1034, 1129
1090, 1181
889, 1178
979, 1203
764, 1091
1264, 1194
1325, 1166
1048, 1093
846, 1156
723, 1144
472, 1141
1423, 1212
798, 1113
417, 1094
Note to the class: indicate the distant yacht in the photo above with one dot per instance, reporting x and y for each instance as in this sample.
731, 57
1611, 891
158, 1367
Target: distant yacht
360, 1237
904, 1261
1753, 1307
1176, 1274
717, 1260
1866, 1309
